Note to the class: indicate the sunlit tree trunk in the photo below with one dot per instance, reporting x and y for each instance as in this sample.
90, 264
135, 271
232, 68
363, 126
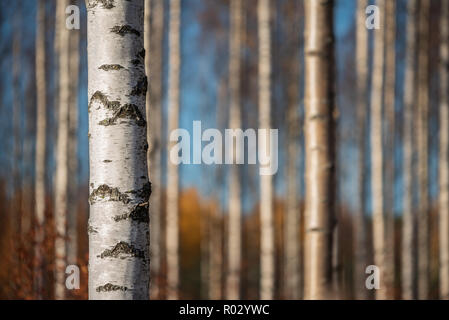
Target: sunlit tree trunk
154, 22
172, 228
41, 124
423, 150
72, 218
377, 150
292, 275
444, 151
266, 183
362, 108
390, 80
408, 219
319, 141
61, 176
119, 187
234, 224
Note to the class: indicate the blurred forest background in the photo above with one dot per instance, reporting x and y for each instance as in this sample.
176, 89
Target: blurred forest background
206, 30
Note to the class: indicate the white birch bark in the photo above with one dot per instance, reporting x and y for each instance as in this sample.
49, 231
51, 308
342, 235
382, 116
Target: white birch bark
234, 224
319, 147
408, 227
41, 124
154, 28
266, 183
172, 227
119, 187
61, 176
377, 151
444, 151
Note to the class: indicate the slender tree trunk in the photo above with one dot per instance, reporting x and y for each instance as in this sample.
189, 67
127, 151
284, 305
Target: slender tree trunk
408, 219
423, 150
154, 22
390, 81
234, 224
172, 232
377, 150
320, 154
72, 219
362, 107
41, 124
266, 182
292, 276
119, 187
216, 222
61, 177
444, 151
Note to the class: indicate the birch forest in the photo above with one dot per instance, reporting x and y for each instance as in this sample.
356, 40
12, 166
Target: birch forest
224, 149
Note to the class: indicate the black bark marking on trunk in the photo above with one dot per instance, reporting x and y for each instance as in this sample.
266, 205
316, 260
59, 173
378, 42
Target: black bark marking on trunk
144, 192
138, 214
140, 88
122, 250
125, 29
127, 111
91, 229
107, 161
108, 67
105, 4
104, 191
108, 287
101, 97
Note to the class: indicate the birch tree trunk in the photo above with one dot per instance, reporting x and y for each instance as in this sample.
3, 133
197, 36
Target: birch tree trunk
377, 150
119, 187
292, 276
423, 150
72, 220
61, 177
409, 228
172, 231
390, 81
234, 224
444, 151
154, 31
266, 183
41, 124
362, 107
320, 154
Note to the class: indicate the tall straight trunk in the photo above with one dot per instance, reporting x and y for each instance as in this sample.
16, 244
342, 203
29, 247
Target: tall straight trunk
154, 28
390, 81
216, 222
119, 187
444, 151
320, 154
408, 219
266, 182
362, 107
41, 124
423, 150
234, 224
61, 177
17, 112
72, 219
172, 231
377, 150
292, 275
